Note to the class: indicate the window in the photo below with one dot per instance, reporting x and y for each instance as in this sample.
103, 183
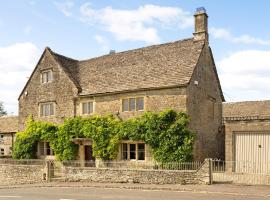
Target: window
87, 108
46, 76
45, 149
133, 151
2, 152
133, 104
46, 109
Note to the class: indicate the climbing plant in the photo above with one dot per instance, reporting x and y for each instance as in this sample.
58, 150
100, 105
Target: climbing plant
166, 133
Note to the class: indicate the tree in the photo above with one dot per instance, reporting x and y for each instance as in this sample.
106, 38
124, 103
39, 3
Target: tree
2, 109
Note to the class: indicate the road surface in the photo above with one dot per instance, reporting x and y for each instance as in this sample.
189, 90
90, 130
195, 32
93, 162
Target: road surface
88, 193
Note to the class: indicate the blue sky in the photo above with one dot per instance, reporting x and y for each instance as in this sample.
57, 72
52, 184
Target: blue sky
239, 37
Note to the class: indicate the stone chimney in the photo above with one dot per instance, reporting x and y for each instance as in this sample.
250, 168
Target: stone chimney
201, 25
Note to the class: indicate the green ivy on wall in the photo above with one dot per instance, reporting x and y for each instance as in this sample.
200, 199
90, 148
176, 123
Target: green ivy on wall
166, 133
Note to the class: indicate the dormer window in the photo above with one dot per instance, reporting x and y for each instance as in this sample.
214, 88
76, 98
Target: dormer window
46, 76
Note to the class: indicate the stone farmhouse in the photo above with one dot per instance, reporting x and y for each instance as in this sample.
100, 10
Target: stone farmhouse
179, 75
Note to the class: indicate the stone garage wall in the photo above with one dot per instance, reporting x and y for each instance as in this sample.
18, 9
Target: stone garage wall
11, 174
200, 176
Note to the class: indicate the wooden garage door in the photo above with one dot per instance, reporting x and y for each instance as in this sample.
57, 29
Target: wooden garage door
252, 151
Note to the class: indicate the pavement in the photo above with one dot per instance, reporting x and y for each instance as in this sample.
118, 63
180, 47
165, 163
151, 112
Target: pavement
83, 190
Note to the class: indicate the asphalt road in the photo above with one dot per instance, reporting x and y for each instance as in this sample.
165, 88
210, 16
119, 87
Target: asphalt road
83, 193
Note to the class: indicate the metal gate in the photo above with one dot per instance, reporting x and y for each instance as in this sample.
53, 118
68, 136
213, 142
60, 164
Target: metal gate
241, 172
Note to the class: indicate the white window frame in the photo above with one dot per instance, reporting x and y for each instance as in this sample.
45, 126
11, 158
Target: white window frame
46, 72
129, 99
136, 151
41, 107
87, 102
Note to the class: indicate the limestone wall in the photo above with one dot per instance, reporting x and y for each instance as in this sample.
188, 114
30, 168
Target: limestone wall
143, 176
20, 174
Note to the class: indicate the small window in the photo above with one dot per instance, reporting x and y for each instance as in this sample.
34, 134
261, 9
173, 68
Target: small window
133, 151
46, 76
1, 136
45, 149
46, 109
2, 152
87, 108
133, 104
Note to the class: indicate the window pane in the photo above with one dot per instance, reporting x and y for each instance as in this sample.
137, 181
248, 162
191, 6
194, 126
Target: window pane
51, 109
139, 103
90, 106
132, 151
131, 104
141, 151
49, 75
48, 149
124, 151
84, 108
41, 148
2, 152
125, 105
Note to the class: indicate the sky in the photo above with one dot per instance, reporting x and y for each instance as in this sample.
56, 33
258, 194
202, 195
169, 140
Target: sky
239, 37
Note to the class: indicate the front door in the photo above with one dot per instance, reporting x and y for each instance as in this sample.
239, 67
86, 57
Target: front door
88, 153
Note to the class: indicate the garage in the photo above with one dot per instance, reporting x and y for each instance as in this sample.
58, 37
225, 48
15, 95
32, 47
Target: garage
252, 151
247, 136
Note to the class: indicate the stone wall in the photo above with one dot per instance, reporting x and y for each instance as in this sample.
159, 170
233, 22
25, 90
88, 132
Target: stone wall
142, 176
154, 100
204, 105
20, 174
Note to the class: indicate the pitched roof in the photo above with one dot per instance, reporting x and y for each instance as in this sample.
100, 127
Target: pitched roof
157, 66
247, 109
9, 124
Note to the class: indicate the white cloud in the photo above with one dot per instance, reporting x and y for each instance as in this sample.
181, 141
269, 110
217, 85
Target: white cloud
16, 64
103, 42
221, 33
138, 24
245, 75
65, 7
27, 30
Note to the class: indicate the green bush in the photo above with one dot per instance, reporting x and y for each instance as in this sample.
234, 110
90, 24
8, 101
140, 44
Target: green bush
166, 133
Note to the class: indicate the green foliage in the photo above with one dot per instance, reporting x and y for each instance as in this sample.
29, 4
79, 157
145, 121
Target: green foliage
26, 142
167, 133
2, 109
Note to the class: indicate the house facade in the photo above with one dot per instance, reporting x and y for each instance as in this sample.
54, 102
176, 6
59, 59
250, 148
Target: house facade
180, 75
8, 129
247, 133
